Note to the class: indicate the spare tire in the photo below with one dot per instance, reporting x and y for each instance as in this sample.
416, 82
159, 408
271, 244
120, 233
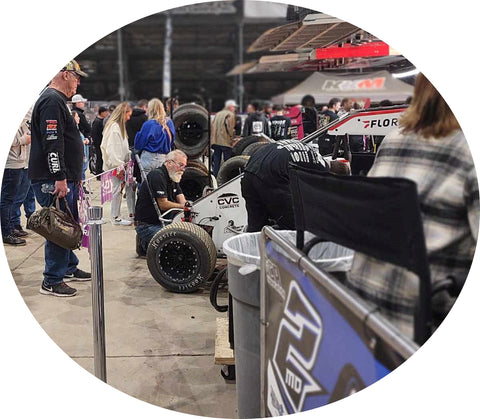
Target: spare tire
199, 165
231, 169
193, 182
181, 257
252, 148
238, 148
192, 129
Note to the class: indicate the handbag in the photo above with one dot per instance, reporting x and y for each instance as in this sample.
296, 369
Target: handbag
56, 225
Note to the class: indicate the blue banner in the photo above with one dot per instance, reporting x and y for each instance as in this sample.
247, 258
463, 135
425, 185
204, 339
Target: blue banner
316, 350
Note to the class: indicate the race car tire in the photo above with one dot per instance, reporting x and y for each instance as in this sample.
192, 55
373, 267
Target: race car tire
191, 126
244, 142
252, 148
181, 257
231, 169
193, 182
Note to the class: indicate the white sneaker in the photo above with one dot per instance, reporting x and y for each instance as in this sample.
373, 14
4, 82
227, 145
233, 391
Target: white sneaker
120, 222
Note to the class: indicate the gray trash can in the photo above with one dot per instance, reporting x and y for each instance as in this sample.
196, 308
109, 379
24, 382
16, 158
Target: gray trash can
243, 257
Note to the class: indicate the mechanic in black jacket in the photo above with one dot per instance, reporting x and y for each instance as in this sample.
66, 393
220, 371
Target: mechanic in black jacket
265, 183
55, 167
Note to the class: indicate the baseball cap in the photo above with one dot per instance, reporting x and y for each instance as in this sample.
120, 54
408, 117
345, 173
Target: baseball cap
230, 102
78, 98
75, 67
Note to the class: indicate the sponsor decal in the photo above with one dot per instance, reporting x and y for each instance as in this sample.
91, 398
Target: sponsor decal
387, 122
273, 279
228, 200
53, 162
257, 127
298, 340
348, 85
51, 129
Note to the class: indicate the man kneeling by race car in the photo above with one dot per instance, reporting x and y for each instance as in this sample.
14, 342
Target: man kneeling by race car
162, 185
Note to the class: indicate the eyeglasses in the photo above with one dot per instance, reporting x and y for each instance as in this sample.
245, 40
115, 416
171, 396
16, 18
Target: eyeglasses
180, 165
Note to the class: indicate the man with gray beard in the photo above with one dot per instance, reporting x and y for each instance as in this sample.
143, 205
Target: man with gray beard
163, 186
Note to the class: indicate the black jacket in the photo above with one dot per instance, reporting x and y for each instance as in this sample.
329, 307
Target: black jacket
83, 125
256, 123
56, 151
134, 124
97, 132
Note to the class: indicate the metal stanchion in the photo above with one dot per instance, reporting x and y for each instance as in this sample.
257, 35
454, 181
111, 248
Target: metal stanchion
95, 240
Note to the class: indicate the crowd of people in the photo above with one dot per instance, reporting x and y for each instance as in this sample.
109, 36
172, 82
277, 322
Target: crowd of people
55, 146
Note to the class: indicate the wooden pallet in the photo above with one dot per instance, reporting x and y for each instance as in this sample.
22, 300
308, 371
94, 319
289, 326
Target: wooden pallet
223, 353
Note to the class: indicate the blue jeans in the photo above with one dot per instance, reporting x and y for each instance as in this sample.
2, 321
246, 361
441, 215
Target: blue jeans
218, 150
86, 156
11, 179
29, 203
58, 261
22, 197
151, 161
145, 233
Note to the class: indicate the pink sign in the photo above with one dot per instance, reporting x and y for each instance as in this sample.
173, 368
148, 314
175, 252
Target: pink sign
106, 188
129, 179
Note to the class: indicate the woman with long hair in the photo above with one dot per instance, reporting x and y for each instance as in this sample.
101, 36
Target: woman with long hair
155, 139
116, 155
429, 148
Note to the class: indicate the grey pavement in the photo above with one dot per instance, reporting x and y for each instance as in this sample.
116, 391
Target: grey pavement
159, 345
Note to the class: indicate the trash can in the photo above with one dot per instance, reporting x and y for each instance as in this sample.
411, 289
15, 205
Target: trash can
243, 257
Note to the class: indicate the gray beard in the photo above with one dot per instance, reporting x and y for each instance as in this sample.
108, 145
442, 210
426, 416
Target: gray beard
175, 176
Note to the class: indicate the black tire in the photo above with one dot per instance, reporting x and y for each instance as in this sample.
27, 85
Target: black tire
193, 182
231, 169
181, 257
199, 165
252, 148
244, 142
191, 126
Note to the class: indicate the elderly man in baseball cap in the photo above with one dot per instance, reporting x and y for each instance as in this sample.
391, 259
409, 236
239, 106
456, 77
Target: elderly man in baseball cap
55, 167
223, 132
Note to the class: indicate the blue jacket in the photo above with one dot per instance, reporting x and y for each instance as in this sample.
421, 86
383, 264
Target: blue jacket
154, 138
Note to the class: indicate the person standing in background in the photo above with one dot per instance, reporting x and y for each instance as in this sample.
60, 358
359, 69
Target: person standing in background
12, 180
97, 136
155, 139
116, 155
222, 134
280, 124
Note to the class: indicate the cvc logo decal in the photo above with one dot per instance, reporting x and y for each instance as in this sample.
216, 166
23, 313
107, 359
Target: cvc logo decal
228, 200
298, 341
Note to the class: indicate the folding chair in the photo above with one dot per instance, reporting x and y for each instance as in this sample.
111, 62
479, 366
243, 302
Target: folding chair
379, 217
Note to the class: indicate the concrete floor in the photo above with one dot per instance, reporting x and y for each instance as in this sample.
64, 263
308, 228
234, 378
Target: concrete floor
160, 345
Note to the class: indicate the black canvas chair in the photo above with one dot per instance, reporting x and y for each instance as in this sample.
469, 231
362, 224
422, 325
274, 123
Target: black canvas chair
379, 217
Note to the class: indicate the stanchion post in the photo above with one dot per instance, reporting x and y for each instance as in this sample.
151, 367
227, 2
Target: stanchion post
95, 241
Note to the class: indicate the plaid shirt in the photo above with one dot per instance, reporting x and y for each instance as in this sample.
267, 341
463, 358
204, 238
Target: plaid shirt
444, 172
